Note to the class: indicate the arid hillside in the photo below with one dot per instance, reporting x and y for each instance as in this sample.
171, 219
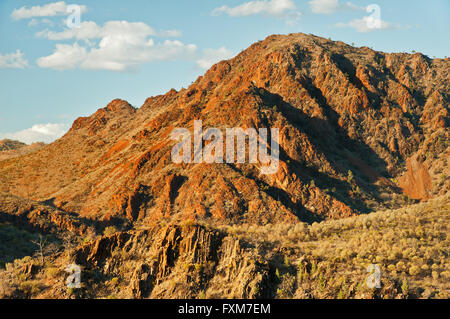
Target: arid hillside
360, 130
200, 260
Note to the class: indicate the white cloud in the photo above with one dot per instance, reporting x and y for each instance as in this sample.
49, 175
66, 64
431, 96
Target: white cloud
116, 54
354, 7
48, 10
38, 133
212, 56
324, 6
64, 57
118, 46
89, 30
331, 6
275, 8
370, 23
13, 60
366, 24
35, 22
170, 33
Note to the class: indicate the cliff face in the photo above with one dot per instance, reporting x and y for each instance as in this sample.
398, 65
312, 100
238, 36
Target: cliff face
384, 117
178, 262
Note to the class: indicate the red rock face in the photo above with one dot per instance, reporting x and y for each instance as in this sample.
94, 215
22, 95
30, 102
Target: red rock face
337, 108
416, 182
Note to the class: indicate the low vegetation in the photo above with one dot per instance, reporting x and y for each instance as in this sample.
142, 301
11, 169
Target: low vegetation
323, 260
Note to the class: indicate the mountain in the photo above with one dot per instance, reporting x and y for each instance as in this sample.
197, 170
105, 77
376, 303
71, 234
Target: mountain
360, 132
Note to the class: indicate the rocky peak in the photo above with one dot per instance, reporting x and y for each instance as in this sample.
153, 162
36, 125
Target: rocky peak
350, 120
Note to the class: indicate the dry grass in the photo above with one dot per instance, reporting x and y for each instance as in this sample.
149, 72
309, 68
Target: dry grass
409, 244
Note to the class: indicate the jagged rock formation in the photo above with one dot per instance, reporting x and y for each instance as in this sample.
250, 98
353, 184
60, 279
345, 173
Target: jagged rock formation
190, 255
40, 217
384, 117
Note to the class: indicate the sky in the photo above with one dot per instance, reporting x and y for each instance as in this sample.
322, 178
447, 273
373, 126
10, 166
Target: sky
62, 60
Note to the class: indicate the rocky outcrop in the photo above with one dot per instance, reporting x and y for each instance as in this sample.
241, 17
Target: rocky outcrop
179, 261
416, 182
40, 217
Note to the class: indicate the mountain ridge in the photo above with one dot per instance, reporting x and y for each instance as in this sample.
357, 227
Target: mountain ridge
356, 126
363, 137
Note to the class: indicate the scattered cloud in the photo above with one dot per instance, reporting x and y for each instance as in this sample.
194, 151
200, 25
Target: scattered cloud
351, 6
170, 34
35, 22
331, 6
13, 60
367, 24
49, 10
212, 56
370, 23
64, 57
118, 46
38, 133
90, 30
324, 6
285, 9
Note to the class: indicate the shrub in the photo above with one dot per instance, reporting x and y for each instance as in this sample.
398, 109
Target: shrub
286, 289
30, 287
350, 176
52, 272
198, 267
414, 270
322, 282
115, 281
405, 287
287, 263
110, 230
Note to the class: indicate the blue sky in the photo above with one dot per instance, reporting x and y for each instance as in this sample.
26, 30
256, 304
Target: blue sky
51, 73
